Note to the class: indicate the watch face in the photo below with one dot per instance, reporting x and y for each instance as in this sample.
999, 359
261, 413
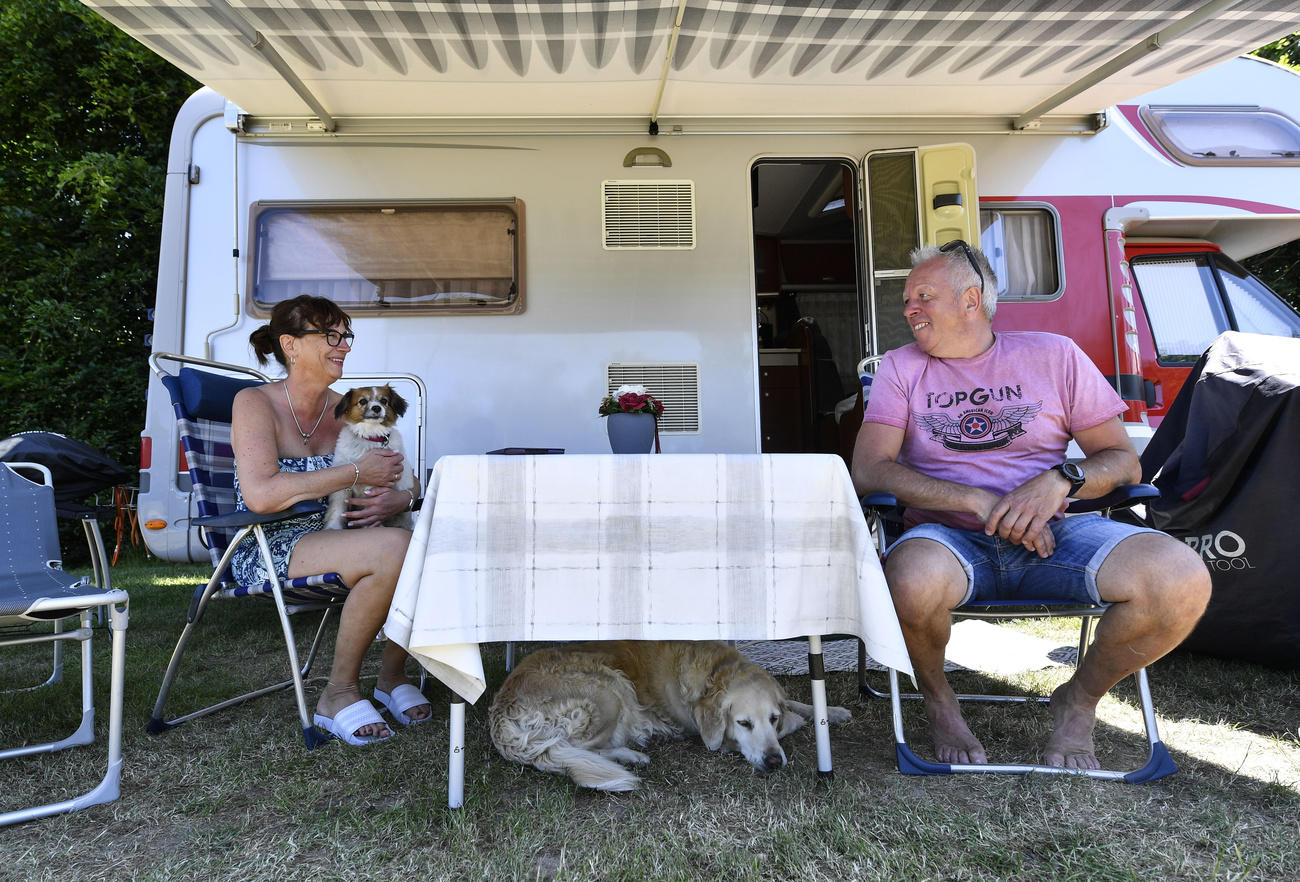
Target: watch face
1072, 471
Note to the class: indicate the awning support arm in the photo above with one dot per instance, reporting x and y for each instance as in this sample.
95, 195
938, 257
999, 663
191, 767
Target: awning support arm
258, 43
668, 60
1129, 56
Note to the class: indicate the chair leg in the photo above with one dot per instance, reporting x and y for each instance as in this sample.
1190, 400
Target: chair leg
311, 735
157, 721
1159, 763
84, 733
109, 788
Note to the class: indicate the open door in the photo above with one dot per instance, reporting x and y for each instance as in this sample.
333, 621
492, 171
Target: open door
913, 196
807, 273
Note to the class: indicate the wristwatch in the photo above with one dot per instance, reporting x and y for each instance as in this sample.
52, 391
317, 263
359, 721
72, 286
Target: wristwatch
1073, 474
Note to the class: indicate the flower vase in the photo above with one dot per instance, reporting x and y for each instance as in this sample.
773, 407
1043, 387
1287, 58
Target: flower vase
630, 432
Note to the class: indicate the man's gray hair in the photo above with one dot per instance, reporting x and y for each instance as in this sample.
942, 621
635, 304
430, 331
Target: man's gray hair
961, 275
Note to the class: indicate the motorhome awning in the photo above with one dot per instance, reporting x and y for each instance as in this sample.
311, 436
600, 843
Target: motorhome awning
965, 65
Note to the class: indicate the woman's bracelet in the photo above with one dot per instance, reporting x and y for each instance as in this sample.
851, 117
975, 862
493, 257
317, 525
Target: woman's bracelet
358, 476
410, 506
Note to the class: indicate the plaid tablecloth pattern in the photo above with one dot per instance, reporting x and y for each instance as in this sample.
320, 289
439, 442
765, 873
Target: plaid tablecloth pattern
606, 547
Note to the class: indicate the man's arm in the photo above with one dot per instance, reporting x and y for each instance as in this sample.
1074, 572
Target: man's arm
876, 470
1022, 514
1109, 458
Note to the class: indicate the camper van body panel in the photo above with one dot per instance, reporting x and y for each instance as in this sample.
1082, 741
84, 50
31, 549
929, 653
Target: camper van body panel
534, 379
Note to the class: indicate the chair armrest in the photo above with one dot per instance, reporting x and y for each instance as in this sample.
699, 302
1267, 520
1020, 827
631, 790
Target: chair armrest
879, 501
1123, 496
249, 518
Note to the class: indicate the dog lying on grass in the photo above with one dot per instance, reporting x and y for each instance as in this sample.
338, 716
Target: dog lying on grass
582, 710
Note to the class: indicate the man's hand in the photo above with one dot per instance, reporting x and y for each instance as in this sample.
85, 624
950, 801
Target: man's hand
1025, 514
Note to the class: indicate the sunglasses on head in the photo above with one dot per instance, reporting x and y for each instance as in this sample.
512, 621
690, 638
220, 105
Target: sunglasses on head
949, 247
334, 338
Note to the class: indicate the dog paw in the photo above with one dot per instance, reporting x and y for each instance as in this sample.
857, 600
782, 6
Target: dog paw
626, 756
838, 715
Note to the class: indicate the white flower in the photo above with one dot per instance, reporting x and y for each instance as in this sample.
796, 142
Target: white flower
635, 390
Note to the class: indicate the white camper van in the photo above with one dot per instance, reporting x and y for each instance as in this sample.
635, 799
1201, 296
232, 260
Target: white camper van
513, 240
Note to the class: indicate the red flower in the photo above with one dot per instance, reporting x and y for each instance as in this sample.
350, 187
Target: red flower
632, 402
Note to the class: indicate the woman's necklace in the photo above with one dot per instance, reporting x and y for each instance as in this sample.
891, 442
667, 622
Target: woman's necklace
306, 436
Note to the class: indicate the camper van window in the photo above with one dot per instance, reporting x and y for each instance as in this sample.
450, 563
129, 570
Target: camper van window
447, 258
1022, 244
1191, 299
1225, 135
1255, 309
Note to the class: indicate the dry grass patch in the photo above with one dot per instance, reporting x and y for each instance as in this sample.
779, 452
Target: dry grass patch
237, 797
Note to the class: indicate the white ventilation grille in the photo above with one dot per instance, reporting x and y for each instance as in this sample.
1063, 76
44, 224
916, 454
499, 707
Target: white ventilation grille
648, 215
676, 385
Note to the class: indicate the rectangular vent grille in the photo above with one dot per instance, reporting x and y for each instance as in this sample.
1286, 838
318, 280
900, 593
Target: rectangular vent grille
648, 215
676, 385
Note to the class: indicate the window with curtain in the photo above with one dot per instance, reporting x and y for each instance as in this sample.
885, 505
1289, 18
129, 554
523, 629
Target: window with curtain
432, 257
1022, 244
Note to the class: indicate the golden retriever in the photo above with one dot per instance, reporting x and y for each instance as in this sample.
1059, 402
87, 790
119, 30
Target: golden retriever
582, 710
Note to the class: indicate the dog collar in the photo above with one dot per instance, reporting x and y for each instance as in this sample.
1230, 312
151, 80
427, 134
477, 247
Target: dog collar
378, 439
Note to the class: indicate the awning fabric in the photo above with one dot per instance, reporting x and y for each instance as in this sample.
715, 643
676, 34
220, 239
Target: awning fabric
808, 58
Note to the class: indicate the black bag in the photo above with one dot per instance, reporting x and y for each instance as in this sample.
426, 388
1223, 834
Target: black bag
78, 469
1228, 463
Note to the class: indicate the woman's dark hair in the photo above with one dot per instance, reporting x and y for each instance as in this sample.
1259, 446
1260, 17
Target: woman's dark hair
295, 317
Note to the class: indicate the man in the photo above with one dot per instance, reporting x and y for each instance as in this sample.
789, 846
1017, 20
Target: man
969, 429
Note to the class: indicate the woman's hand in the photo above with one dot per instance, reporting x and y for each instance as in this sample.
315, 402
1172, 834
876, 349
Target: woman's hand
377, 506
380, 467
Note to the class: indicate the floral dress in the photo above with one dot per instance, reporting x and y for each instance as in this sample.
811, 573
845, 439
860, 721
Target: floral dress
246, 565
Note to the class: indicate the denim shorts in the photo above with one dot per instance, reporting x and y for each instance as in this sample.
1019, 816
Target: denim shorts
998, 570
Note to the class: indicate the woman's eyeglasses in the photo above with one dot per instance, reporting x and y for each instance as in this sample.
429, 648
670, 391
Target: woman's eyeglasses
334, 338
970, 255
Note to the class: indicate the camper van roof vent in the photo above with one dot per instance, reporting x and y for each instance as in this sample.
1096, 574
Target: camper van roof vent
676, 385
648, 215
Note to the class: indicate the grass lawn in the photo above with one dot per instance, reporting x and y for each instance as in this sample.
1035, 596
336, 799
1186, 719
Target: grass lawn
236, 796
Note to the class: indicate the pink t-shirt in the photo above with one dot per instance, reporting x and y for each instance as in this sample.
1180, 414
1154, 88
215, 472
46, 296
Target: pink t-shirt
993, 421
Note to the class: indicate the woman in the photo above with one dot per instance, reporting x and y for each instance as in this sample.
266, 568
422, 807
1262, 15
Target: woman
283, 434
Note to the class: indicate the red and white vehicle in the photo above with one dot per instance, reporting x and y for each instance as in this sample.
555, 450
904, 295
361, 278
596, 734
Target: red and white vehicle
525, 206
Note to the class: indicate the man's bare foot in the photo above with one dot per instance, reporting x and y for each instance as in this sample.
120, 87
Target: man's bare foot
334, 698
1070, 746
953, 740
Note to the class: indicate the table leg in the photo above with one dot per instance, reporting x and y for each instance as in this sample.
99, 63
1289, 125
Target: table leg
456, 760
822, 732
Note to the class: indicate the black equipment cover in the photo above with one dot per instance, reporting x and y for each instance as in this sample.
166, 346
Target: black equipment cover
78, 469
1228, 457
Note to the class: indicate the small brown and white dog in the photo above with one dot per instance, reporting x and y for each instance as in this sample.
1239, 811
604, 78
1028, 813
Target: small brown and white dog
369, 415
582, 710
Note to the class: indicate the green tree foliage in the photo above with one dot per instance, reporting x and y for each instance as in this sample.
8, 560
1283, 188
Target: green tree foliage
84, 129
1284, 51
1280, 267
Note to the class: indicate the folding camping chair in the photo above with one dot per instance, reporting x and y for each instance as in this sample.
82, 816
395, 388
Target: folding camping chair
35, 590
202, 393
882, 509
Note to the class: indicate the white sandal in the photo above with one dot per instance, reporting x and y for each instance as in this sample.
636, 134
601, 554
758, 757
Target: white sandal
347, 721
403, 698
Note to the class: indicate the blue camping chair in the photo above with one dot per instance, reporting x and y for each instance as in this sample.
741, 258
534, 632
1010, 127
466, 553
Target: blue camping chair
882, 510
37, 595
202, 393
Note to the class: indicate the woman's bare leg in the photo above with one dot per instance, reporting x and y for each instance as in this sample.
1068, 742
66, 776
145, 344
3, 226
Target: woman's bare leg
369, 560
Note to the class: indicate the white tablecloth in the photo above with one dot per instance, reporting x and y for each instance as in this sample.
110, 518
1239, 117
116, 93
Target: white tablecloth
660, 547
